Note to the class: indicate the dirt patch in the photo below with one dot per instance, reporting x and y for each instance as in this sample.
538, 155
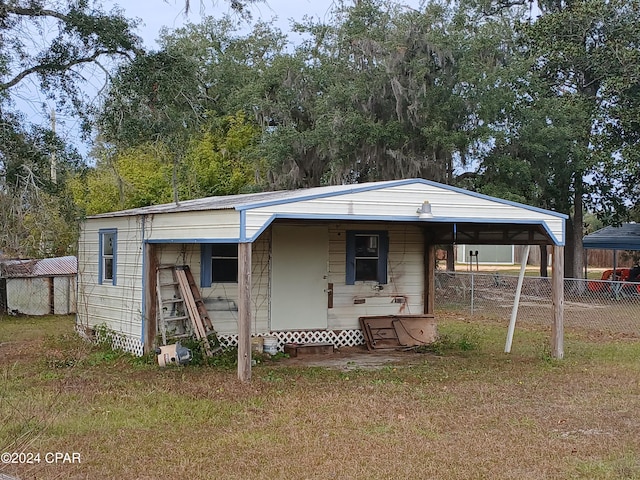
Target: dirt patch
357, 358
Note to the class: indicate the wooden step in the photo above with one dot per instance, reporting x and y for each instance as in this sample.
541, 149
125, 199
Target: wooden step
297, 349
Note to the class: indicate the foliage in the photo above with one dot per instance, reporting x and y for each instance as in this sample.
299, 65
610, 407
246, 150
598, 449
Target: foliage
38, 215
219, 160
51, 45
448, 344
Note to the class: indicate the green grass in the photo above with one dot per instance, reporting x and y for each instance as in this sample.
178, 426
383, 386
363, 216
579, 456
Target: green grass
460, 409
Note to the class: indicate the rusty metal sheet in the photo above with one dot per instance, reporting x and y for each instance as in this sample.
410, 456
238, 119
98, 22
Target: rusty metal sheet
398, 331
415, 331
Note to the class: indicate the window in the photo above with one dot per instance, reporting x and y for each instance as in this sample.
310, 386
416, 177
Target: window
367, 253
108, 256
219, 263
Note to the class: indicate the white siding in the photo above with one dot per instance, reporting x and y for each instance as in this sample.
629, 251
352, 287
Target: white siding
221, 299
405, 277
194, 225
401, 203
118, 307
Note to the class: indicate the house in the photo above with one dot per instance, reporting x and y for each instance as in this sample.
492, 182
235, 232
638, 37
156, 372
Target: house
302, 265
38, 287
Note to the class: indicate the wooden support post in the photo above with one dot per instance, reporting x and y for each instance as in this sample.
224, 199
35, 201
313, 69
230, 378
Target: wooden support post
150, 296
244, 311
429, 277
557, 302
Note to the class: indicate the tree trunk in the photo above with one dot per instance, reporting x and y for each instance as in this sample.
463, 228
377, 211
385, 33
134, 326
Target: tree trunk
574, 253
578, 223
544, 264
451, 261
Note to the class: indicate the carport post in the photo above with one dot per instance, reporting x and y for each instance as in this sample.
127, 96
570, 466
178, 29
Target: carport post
429, 277
244, 311
557, 302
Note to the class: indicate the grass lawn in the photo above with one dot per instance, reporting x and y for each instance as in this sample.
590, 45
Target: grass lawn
465, 411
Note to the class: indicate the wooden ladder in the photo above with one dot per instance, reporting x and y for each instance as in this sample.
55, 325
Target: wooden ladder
179, 301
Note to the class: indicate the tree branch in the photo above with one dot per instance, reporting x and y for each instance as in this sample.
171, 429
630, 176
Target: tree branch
57, 67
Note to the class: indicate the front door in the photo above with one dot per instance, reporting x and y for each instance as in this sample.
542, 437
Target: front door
299, 277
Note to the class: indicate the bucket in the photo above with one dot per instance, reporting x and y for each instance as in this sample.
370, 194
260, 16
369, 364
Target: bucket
257, 344
270, 345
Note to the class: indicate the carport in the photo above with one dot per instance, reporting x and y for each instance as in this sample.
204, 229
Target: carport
624, 237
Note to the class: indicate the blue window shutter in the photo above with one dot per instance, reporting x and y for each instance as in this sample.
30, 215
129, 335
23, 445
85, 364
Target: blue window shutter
205, 265
383, 254
100, 258
115, 258
351, 258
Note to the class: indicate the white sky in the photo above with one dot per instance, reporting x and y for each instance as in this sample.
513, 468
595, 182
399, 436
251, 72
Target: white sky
170, 13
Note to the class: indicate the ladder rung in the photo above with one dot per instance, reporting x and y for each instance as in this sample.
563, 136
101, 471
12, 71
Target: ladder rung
173, 300
175, 319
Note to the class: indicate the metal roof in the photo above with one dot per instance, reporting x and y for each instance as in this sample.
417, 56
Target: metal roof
624, 237
256, 200
46, 267
243, 201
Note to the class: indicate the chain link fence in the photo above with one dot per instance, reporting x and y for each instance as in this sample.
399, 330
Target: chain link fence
603, 306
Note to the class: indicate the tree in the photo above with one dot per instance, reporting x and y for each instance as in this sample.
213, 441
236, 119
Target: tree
85, 35
37, 212
565, 135
37, 215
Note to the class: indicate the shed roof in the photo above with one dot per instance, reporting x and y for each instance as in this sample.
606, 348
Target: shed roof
624, 237
46, 267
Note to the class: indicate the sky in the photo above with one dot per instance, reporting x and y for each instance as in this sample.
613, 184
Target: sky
156, 14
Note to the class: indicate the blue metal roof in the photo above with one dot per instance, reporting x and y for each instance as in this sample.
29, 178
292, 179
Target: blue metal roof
624, 237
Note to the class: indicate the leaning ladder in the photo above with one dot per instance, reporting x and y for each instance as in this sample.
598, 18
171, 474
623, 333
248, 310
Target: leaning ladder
181, 310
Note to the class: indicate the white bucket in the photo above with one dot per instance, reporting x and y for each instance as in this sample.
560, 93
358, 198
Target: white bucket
270, 345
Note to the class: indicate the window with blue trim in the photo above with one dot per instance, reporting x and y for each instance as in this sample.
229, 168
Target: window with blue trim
367, 253
108, 245
219, 263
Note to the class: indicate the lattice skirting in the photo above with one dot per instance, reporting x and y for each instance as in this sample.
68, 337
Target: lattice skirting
339, 338
118, 341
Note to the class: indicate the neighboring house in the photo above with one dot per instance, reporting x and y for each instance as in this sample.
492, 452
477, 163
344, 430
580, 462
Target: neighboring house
302, 265
486, 254
38, 287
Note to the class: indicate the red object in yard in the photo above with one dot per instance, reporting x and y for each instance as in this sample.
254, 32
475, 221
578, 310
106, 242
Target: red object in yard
621, 275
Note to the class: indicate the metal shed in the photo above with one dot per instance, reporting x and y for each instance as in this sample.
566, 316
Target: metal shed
297, 264
38, 287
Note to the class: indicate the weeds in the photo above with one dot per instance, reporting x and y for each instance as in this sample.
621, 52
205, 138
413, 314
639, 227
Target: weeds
448, 344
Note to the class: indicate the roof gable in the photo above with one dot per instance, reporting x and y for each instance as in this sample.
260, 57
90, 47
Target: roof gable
394, 200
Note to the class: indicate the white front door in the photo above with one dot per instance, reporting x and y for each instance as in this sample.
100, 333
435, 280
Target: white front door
300, 257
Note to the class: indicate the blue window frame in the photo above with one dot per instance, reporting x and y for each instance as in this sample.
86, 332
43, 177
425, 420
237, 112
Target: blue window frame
367, 253
219, 263
108, 245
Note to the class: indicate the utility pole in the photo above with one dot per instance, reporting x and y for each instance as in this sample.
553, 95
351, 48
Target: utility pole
54, 160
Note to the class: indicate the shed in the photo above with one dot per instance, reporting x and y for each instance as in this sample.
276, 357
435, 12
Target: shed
301, 265
38, 287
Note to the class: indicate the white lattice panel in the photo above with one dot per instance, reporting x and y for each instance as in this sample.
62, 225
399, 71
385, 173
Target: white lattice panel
118, 342
339, 338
